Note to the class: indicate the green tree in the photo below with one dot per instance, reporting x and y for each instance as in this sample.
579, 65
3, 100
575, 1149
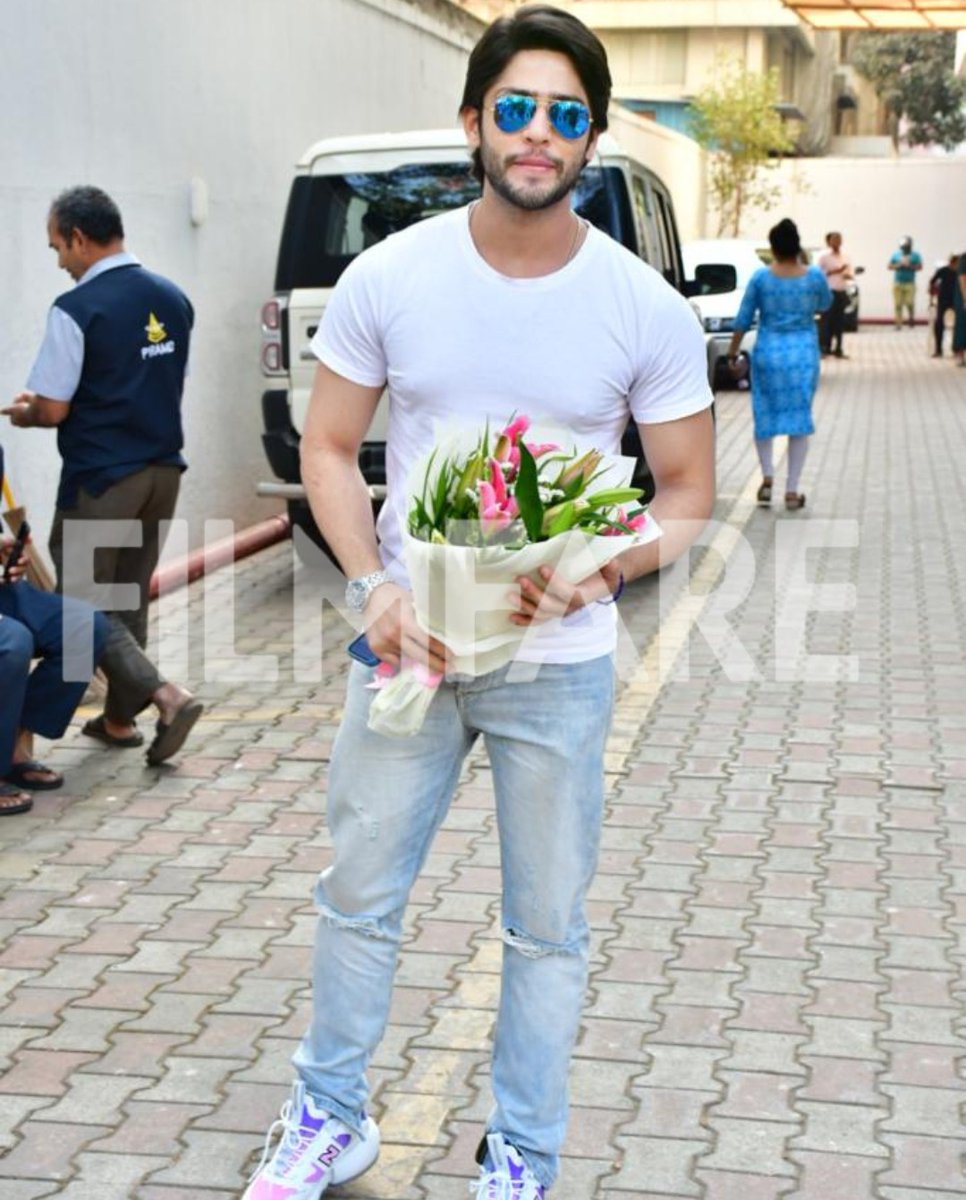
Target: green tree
735, 119
913, 74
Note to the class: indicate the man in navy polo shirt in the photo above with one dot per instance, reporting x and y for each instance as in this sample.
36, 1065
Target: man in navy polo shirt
110, 375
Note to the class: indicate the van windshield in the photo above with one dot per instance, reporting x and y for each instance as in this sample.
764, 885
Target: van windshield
332, 218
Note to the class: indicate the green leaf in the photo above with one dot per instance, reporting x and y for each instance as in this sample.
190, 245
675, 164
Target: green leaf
609, 496
527, 492
560, 518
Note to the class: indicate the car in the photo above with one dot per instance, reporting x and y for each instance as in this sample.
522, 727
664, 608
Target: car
721, 269
349, 193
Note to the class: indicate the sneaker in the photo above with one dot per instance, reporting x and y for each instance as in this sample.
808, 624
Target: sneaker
503, 1173
314, 1150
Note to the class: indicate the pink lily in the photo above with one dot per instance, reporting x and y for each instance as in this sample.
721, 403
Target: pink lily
517, 427
498, 482
538, 448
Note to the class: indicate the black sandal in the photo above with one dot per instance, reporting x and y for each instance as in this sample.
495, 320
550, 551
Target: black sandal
13, 800
764, 492
794, 501
20, 773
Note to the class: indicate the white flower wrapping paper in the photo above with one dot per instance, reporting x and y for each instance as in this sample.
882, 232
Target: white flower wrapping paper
461, 593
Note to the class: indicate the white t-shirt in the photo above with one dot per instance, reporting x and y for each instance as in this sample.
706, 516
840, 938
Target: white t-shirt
587, 346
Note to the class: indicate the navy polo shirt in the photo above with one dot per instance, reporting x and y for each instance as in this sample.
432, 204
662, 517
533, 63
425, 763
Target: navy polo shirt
125, 412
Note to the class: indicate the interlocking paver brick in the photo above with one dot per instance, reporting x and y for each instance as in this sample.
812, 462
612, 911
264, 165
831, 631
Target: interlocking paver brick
836, 1173
657, 1166
774, 1008
46, 1151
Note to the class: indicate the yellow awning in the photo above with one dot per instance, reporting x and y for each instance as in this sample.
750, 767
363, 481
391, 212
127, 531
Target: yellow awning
881, 14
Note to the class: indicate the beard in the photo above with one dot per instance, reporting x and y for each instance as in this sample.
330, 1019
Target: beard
533, 199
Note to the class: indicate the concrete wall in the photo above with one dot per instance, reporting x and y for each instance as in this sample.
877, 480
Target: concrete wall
873, 202
141, 99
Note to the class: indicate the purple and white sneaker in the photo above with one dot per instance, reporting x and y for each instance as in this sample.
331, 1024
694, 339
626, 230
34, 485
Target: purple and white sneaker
504, 1175
314, 1150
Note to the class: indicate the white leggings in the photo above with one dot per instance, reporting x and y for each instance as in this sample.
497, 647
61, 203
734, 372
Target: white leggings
797, 449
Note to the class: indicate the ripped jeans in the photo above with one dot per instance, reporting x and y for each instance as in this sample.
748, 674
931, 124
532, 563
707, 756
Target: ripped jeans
387, 797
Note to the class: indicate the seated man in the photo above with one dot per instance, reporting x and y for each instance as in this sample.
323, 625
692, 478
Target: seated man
57, 631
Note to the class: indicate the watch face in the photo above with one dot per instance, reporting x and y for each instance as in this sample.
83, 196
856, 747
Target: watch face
356, 593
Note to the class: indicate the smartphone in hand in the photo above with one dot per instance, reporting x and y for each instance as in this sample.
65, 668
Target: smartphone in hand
16, 550
361, 651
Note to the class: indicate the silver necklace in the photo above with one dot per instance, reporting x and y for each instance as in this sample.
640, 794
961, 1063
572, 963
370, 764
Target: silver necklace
578, 226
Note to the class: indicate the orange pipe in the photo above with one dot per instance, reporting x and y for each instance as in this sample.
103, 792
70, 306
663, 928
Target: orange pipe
218, 554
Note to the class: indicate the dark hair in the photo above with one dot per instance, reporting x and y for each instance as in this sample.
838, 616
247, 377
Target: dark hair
833, 233
91, 211
538, 27
784, 240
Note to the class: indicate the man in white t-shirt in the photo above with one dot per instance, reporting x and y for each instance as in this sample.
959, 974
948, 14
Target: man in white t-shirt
513, 305
837, 269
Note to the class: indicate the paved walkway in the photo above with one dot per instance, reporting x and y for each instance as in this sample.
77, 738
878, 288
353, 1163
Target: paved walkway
778, 917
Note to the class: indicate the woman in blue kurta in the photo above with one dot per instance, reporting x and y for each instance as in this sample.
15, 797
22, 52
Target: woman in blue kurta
785, 362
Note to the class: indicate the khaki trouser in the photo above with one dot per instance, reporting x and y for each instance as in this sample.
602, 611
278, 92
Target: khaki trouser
146, 499
903, 297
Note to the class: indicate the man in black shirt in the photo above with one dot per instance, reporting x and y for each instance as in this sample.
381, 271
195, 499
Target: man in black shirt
942, 287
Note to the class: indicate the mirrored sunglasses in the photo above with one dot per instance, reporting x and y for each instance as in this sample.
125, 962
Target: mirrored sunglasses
514, 111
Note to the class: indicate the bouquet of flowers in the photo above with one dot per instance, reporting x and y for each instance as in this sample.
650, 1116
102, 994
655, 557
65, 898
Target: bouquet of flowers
486, 509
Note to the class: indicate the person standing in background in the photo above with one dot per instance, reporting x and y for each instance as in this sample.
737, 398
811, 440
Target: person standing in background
942, 287
109, 377
837, 269
904, 265
785, 361
959, 329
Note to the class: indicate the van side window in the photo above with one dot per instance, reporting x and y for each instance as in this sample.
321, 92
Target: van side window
642, 212
668, 235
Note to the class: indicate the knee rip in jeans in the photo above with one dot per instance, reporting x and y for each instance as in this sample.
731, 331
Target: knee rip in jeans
532, 947
369, 926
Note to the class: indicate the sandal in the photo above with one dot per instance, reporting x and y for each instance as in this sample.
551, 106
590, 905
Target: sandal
169, 738
19, 775
764, 492
794, 500
13, 800
95, 728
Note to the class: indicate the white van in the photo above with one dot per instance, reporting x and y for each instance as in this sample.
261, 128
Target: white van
349, 193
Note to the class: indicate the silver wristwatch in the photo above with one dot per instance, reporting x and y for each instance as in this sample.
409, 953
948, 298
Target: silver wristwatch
358, 591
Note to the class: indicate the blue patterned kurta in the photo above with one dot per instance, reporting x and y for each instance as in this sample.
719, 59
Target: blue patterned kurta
785, 360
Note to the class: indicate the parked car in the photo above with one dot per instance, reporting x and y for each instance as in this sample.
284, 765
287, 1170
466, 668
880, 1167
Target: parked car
349, 193
721, 269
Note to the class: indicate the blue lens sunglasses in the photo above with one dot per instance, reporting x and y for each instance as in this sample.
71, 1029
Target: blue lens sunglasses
514, 111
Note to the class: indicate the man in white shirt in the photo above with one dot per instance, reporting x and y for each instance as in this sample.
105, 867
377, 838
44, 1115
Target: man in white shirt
513, 305
837, 269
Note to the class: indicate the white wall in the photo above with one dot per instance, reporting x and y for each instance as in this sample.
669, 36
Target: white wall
874, 202
141, 98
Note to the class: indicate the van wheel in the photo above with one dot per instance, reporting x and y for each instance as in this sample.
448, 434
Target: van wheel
308, 539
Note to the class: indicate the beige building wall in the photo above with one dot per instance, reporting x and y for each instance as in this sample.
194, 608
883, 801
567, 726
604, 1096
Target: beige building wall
143, 100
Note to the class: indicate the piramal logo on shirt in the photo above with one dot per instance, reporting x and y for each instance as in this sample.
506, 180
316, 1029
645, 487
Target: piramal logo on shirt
159, 342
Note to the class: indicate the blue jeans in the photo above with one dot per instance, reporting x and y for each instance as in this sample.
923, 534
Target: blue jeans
68, 637
386, 798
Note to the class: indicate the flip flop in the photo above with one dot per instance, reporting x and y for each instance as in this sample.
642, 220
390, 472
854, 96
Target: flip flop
95, 728
7, 792
169, 738
19, 772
